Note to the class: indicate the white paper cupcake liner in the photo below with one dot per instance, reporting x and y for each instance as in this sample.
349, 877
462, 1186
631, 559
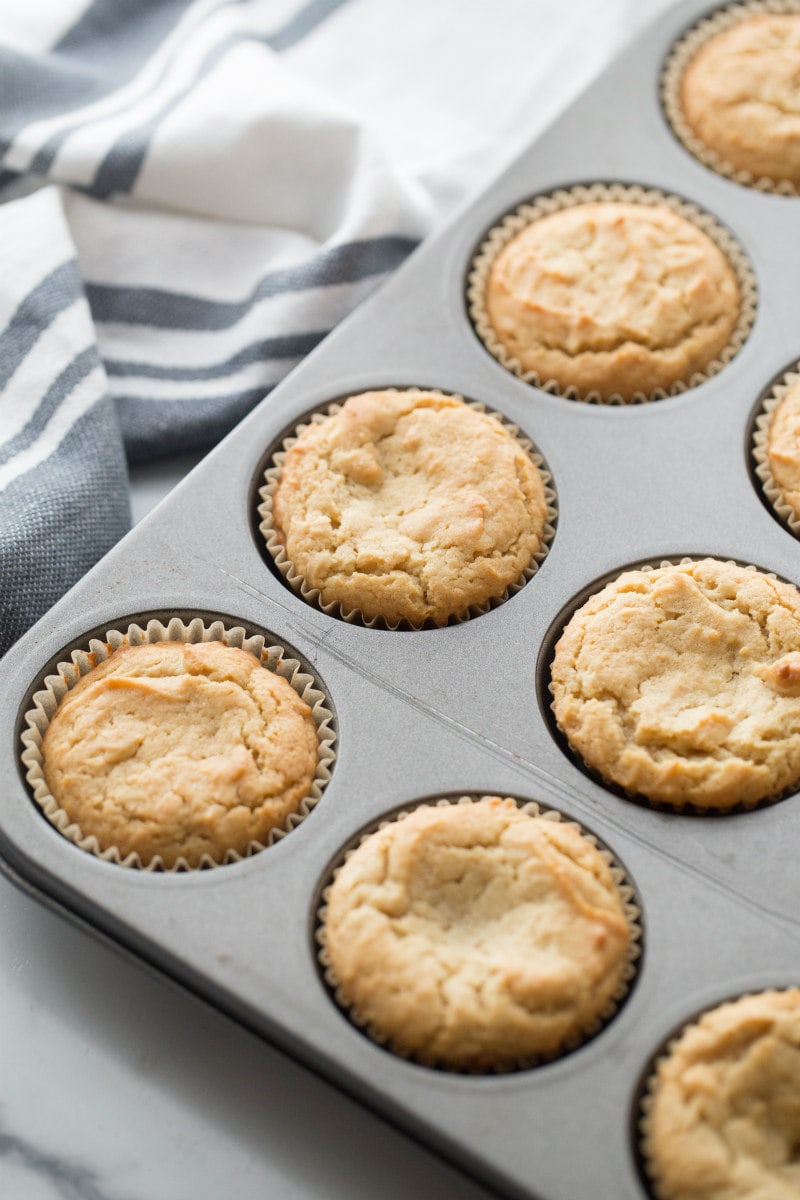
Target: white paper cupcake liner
632, 914
680, 57
313, 596
783, 509
684, 810
67, 673
541, 206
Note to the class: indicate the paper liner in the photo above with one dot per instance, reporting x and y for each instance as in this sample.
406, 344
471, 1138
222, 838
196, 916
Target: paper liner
55, 686
677, 62
542, 206
632, 914
649, 1088
354, 616
783, 509
688, 809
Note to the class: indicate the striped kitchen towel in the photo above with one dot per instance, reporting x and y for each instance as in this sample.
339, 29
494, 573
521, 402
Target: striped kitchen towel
194, 192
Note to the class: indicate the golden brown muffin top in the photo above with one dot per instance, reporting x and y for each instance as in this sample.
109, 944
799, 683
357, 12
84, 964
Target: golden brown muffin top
725, 1119
783, 447
180, 750
740, 95
477, 936
613, 297
409, 505
682, 683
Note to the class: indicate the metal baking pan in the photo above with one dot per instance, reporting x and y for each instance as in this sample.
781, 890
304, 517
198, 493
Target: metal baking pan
458, 709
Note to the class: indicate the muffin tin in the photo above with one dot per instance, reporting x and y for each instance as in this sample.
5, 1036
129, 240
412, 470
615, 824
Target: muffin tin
422, 714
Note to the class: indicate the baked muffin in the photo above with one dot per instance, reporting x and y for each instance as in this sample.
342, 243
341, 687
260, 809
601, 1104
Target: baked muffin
477, 936
610, 297
409, 506
682, 684
180, 750
740, 95
724, 1121
783, 448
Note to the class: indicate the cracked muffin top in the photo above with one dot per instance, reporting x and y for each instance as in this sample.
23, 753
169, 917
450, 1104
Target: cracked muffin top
179, 751
783, 448
682, 684
740, 94
725, 1117
612, 297
477, 936
409, 505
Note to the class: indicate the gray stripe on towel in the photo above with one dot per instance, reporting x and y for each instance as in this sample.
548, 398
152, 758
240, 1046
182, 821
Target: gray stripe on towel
100, 53
179, 310
61, 387
58, 520
120, 167
60, 288
152, 429
293, 346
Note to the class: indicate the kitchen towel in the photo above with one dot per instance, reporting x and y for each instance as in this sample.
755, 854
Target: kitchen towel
194, 192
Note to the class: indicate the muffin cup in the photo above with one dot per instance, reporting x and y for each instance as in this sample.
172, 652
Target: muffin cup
647, 1092
661, 806
679, 58
312, 596
55, 686
771, 489
542, 206
632, 914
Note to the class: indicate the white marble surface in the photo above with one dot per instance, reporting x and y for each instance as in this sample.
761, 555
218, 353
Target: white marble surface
116, 1086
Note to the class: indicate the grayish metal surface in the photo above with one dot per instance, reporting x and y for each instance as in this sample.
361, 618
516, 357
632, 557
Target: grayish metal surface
456, 709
